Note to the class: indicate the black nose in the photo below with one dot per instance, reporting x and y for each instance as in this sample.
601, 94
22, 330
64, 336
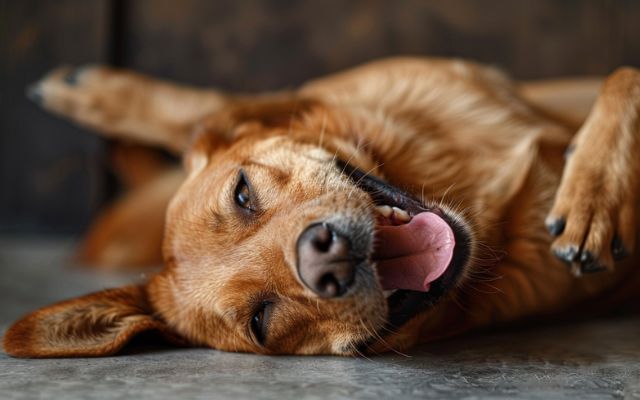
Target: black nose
324, 262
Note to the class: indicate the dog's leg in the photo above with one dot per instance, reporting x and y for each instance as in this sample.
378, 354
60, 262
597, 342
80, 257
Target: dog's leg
126, 105
594, 215
566, 100
128, 234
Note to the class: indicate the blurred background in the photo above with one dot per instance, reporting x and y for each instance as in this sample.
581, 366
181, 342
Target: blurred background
54, 176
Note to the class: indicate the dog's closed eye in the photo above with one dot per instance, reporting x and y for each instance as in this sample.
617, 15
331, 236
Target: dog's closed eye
260, 322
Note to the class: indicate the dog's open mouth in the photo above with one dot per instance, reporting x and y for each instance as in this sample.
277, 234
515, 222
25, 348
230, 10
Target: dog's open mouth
411, 251
420, 252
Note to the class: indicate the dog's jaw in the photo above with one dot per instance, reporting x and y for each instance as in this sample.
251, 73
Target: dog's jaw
393, 206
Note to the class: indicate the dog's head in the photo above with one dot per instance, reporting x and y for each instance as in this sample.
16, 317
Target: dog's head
277, 242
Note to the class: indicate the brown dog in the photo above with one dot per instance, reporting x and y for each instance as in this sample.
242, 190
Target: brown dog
396, 203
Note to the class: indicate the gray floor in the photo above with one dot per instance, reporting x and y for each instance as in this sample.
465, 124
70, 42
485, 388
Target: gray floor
591, 360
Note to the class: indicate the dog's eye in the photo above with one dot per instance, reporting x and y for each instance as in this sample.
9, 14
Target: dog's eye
260, 322
242, 194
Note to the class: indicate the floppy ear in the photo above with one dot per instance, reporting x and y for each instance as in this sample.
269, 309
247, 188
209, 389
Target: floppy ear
221, 128
97, 324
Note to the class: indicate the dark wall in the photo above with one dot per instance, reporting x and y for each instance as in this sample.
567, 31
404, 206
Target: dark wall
53, 176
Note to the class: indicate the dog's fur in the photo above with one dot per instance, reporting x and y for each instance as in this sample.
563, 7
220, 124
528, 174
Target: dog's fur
453, 134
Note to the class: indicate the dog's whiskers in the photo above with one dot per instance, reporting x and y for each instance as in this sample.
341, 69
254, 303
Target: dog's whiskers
477, 289
383, 341
322, 129
456, 301
356, 185
360, 145
354, 347
442, 202
335, 156
483, 276
422, 198
291, 117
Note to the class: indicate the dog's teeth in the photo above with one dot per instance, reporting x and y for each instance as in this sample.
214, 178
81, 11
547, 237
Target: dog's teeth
401, 215
386, 211
388, 293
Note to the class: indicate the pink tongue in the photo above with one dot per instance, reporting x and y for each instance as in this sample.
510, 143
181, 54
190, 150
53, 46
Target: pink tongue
413, 255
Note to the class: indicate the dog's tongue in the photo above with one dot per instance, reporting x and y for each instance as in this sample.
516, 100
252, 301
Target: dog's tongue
413, 255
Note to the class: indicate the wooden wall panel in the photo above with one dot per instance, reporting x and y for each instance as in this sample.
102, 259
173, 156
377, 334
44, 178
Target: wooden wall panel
51, 174
267, 44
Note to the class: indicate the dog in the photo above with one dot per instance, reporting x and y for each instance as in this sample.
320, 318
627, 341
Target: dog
399, 202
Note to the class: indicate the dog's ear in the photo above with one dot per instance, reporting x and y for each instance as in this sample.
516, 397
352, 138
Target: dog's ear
255, 114
97, 324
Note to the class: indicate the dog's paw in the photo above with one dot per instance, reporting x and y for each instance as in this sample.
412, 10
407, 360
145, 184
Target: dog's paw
593, 217
93, 96
62, 84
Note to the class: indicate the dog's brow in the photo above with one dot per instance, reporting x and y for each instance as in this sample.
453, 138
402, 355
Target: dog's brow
280, 175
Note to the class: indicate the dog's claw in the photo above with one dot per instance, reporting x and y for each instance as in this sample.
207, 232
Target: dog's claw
589, 263
618, 249
568, 254
555, 226
569, 151
72, 77
579, 262
34, 93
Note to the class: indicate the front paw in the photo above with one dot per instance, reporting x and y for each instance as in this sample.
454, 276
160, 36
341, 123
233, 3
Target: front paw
593, 218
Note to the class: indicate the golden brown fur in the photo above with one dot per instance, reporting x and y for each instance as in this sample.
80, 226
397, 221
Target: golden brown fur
449, 132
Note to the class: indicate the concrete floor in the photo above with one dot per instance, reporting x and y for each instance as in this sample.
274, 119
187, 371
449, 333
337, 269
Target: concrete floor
597, 359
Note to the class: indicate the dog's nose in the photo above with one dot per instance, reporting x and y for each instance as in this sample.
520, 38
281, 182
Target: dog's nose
324, 262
